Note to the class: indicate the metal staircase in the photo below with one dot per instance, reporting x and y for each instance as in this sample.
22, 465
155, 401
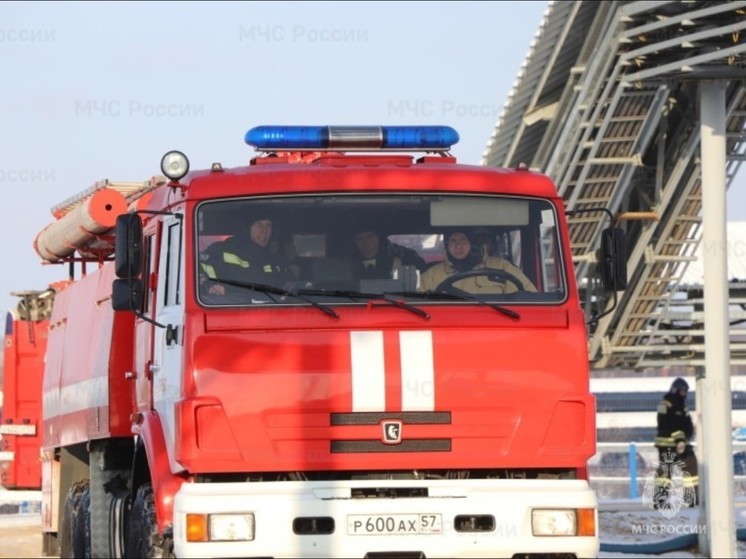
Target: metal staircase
611, 114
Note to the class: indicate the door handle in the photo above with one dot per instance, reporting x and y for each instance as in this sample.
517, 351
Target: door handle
172, 334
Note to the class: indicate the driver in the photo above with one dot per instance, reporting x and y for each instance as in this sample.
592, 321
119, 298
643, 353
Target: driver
461, 258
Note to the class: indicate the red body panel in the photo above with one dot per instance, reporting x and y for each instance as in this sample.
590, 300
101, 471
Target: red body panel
500, 391
23, 362
86, 392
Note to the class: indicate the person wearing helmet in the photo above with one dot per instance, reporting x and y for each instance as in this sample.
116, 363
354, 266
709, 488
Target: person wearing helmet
673, 441
462, 255
246, 257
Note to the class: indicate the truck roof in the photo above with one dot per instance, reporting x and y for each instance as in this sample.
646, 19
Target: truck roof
358, 173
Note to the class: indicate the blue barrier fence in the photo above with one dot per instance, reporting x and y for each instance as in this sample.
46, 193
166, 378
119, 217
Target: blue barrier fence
624, 463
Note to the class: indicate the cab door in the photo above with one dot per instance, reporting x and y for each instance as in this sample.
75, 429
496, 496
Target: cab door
144, 328
167, 374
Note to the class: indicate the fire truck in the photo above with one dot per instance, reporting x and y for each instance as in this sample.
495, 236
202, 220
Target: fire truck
299, 408
26, 329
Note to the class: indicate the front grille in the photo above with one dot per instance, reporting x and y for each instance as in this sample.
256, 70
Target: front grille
406, 417
409, 445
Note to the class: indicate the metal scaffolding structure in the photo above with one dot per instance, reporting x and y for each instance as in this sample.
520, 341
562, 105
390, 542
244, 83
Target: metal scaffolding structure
607, 104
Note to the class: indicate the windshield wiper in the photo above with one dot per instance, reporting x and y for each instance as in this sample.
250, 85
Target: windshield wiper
448, 296
272, 290
354, 295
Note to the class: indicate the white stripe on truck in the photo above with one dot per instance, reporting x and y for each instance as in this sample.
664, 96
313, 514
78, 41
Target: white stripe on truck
417, 386
369, 372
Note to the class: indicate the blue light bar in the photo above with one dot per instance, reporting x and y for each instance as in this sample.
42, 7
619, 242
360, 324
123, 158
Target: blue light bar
351, 138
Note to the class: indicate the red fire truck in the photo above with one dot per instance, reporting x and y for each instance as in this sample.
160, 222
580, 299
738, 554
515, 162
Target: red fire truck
23, 364
294, 407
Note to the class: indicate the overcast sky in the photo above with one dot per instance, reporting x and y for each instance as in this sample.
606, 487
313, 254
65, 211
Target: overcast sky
102, 90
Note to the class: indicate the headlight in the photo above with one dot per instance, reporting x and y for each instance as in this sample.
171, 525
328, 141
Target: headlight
232, 527
220, 527
553, 523
563, 522
175, 165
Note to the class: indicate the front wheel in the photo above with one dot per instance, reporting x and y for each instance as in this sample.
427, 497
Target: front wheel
143, 539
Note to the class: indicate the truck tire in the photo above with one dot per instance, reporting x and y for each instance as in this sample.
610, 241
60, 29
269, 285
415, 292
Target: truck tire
74, 536
143, 539
82, 525
66, 523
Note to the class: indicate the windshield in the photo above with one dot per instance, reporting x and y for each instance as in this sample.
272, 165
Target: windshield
345, 249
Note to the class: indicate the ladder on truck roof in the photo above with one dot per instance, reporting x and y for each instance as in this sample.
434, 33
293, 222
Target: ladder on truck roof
132, 191
84, 221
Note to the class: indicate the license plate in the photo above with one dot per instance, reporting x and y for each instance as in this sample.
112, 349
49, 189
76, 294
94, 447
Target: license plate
393, 524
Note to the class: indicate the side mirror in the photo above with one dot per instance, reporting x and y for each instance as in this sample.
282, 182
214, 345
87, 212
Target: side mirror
613, 259
127, 294
128, 246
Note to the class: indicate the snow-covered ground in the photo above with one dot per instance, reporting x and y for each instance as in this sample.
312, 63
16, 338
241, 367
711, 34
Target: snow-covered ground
631, 525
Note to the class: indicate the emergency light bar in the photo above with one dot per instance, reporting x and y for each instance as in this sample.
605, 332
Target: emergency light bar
351, 138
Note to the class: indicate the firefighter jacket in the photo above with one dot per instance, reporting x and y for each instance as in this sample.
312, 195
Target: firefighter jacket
674, 422
240, 259
433, 276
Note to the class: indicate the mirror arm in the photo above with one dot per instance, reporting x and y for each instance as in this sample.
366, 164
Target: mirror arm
140, 315
592, 321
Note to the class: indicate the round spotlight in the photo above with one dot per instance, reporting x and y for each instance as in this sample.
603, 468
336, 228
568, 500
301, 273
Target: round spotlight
175, 165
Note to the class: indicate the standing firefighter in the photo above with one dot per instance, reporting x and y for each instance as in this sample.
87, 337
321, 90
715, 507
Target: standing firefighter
677, 467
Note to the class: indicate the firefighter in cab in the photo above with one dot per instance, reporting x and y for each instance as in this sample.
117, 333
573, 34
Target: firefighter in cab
243, 258
377, 257
463, 255
677, 460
